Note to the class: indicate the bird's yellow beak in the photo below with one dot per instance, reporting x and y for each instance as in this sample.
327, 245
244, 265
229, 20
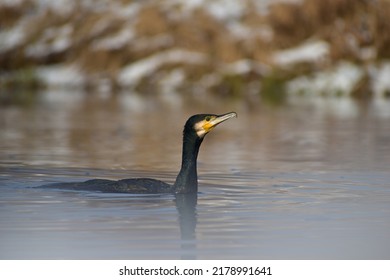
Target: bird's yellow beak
212, 121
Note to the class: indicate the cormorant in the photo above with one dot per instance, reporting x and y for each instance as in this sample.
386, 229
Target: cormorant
194, 132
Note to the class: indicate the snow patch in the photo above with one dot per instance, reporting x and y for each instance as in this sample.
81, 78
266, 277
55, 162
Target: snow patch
100, 26
63, 7
133, 73
130, 11
186, 5
342, 79
53, 40
307, 52
244, 66
12, 38
61, 76
226, 10
116, 41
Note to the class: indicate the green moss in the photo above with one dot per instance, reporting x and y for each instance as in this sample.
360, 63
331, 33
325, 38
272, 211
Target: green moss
273, 89
21, 78
19, 87
235, 84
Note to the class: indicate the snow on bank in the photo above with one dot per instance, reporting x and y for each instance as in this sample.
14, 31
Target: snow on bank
61, 76
136, 71
340, 80
219, 9
343, 79
307, 52
244, 66
115, 41
53, 40
11, 38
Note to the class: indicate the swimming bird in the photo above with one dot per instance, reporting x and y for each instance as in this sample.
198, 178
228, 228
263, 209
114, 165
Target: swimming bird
195, 129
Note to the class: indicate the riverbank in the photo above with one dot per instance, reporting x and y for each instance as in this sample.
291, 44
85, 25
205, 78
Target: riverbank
240, 48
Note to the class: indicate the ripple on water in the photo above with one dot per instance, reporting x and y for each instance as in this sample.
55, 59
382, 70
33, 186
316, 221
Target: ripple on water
238, 216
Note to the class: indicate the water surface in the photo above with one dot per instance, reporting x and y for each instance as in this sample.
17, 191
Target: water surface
308, 179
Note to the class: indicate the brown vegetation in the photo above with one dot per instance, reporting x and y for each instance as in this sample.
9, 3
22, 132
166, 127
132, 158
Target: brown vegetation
356, 30
350, 26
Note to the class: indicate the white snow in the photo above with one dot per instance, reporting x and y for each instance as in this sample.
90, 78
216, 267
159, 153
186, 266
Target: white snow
186, 5
130, 11
340, 80
61, 6
226, 10
100, 26
244, 66
115, 41
54, 39
133, 73
307, 52
11, 38
61, 76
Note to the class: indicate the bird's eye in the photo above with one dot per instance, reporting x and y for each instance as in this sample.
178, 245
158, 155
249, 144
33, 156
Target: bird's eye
208, 118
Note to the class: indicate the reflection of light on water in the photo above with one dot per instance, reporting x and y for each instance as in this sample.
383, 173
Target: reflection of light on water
132, 102
380, 75
342, 107
381, 107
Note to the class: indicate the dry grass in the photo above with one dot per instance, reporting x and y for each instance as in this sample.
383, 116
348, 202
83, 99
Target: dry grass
10, 14
294, 22
348, 25
356, 30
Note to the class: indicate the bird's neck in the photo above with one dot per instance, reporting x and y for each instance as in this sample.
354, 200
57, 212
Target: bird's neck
187, 179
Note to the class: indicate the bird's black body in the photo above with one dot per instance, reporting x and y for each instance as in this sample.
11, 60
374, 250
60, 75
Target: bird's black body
136, 186
195, 129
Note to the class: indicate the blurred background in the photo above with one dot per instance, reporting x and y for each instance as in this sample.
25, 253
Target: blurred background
227, 48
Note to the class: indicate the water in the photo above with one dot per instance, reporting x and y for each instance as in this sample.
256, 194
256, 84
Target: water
308, 179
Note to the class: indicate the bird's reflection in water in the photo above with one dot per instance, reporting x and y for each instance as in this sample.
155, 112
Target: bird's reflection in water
186, 207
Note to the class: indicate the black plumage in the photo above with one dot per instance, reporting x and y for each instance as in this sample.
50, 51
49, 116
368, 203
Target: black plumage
194, 132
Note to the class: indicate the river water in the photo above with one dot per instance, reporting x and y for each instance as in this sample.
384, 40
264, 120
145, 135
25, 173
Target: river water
305, 179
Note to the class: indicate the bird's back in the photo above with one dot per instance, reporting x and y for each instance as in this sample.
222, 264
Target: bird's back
135, 186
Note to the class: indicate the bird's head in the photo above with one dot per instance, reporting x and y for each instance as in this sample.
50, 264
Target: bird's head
203, 123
